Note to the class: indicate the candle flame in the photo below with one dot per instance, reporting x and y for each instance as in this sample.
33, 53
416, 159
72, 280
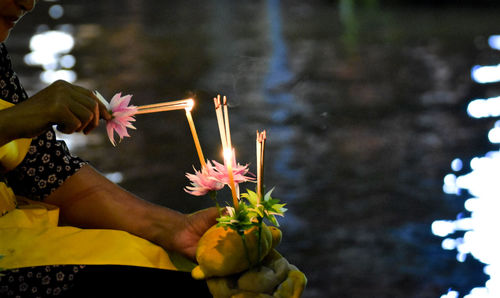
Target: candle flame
228, 154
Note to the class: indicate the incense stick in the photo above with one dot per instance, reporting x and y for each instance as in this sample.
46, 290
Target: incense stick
261, 142
227, 150
196, 140
226, 124
165, 106
220, 122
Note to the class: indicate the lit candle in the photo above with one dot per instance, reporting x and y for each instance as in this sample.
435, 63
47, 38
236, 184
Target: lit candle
195, 135
228, 157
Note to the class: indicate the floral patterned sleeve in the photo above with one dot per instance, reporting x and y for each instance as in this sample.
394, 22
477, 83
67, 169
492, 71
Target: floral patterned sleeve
48, 162
46, 166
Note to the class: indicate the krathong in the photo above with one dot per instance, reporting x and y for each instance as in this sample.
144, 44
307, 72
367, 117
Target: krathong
122, 115
237, 256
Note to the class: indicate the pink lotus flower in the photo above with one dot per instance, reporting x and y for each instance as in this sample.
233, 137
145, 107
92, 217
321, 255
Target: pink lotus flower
203, 181
121, 115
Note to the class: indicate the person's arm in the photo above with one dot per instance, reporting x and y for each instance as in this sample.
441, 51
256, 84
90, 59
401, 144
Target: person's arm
70, 107
89, 200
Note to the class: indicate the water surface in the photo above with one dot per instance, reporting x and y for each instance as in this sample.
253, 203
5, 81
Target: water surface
364, 105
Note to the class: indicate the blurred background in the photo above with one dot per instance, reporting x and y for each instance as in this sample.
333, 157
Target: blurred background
381, 120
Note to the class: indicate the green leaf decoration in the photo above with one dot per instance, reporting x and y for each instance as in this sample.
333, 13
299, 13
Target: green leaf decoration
239, 220
267, 209
251, 197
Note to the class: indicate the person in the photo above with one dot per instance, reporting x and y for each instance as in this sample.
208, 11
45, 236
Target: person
97, 219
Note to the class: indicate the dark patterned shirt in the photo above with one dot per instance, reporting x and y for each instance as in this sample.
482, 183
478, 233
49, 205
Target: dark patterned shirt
48, 162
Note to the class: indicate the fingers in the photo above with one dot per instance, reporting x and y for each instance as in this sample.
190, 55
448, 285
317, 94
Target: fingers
85, 113
92, 103
101, 109
70, 124
87, 110
81, 110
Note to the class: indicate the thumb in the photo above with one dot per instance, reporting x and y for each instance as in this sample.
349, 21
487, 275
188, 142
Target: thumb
104, 113
205, 217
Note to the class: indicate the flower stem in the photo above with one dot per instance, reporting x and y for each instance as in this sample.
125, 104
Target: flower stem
259, 239
213, 196
242, 234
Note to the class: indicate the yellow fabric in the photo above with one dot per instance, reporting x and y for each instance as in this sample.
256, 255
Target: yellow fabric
7, 199
29, 236
12, 153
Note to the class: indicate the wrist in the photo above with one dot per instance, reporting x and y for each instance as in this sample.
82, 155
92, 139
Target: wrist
163, 227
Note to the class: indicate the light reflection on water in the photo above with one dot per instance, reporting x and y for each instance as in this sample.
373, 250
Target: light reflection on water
484, 108
494, 42
283, 105
481, 228
479, 239
278, 95
486, 74
50, 50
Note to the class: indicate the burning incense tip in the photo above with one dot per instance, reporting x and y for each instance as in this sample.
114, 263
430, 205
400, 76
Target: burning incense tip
189, 104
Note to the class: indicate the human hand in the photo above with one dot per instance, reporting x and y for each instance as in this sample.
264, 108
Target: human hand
186, 238
72, 108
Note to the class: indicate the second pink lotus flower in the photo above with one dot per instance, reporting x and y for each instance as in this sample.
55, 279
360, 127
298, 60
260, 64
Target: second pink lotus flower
214, 177
203, 181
